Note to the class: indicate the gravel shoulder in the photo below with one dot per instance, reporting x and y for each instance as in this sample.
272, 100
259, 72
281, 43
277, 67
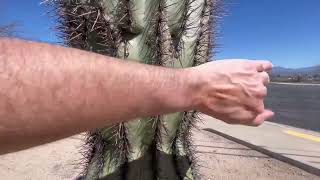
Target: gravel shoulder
218, 158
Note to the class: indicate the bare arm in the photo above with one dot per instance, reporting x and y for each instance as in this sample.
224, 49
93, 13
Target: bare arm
49, 92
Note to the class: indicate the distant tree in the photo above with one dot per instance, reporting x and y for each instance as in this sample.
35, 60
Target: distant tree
299, 78
9, 30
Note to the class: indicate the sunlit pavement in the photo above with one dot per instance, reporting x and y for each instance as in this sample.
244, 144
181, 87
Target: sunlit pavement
293, 145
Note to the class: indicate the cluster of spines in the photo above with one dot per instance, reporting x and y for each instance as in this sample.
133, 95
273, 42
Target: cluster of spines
83, 25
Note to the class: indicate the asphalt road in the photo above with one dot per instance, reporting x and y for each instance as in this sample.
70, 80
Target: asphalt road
295, 105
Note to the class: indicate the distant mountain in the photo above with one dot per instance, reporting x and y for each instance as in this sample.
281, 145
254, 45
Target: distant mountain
291, 72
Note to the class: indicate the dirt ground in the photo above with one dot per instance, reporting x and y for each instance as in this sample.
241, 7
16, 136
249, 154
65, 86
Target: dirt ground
218, 158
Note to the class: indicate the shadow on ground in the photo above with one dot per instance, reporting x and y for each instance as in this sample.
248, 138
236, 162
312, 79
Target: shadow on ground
137, 169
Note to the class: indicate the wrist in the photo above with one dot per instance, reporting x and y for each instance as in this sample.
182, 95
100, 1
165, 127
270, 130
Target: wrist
194, 85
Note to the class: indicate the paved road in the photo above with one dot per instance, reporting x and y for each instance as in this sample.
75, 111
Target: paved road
295, 105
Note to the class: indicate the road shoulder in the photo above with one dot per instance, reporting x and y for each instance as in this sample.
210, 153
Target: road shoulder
273, 140
220, 158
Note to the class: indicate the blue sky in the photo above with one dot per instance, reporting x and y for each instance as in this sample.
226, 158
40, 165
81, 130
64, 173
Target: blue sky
33, 21
287, 32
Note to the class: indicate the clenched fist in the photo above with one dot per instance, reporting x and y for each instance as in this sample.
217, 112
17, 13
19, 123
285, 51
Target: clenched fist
233, 90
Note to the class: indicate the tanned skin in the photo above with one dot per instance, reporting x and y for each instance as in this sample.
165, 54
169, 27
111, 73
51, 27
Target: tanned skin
49, 92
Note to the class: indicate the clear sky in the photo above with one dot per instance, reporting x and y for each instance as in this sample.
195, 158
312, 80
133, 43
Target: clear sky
287, 32
31, 16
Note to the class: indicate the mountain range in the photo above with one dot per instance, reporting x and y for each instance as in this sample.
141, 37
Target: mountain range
277, 70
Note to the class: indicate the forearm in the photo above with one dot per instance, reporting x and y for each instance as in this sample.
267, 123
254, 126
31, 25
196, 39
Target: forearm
50, 92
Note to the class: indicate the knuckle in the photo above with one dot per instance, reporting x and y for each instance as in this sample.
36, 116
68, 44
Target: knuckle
265, 78
260, 67
262, 92
265, 75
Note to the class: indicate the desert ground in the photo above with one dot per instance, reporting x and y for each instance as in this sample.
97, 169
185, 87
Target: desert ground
218, 158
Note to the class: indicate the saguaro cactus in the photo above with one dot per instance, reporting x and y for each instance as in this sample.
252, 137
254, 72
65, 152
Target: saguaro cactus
172, 33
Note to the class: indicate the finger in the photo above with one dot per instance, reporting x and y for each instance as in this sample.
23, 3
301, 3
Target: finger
262, 66
258, 106
265, 78
266, 115
245, 117
261, 92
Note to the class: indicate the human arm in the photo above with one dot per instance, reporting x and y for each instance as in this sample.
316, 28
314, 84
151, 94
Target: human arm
49, 92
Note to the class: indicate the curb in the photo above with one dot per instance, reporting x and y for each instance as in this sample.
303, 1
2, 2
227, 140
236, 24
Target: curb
301, 165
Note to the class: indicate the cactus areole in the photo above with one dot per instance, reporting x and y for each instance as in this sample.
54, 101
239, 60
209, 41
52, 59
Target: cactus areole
171, 33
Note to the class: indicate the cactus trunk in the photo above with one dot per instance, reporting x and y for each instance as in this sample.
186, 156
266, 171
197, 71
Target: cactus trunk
171, 33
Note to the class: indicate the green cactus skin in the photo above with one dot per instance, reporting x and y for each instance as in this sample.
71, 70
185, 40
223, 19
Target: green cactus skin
171, 33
